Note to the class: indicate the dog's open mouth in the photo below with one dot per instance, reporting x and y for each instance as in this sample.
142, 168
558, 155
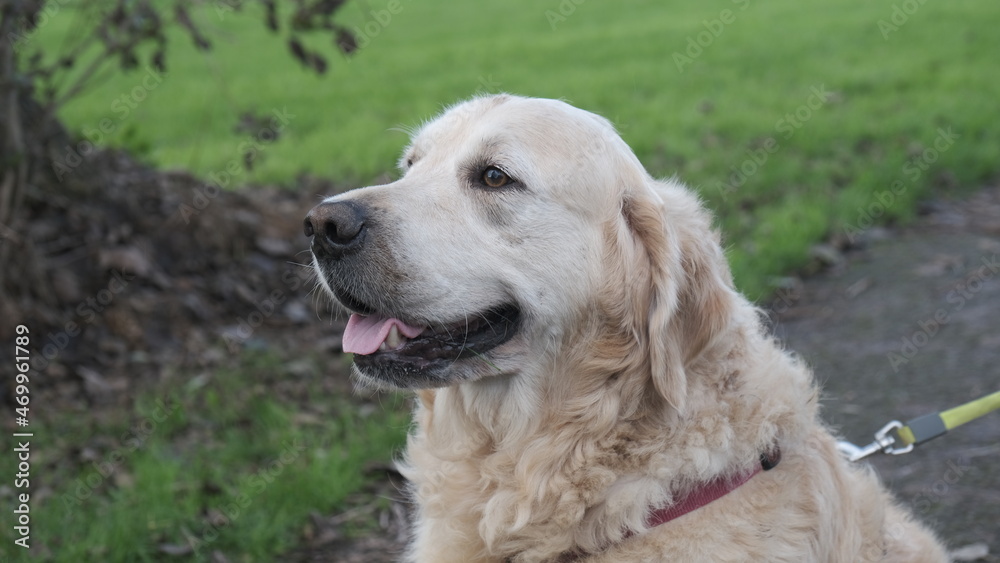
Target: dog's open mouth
405, 355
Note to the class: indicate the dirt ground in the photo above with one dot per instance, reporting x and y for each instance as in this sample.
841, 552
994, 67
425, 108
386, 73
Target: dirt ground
909, 325
154, 276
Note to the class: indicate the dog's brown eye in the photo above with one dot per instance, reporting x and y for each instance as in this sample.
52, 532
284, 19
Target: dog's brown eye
495, 178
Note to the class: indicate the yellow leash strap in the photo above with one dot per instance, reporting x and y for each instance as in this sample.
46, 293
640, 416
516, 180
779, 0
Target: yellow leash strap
921, 429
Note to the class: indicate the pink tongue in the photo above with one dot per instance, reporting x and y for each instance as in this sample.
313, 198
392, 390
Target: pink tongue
364, 334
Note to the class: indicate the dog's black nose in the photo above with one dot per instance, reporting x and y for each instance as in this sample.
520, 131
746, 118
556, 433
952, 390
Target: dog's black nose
337, 228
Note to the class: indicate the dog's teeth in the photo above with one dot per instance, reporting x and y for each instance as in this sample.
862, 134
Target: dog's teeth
393, 340
381, 347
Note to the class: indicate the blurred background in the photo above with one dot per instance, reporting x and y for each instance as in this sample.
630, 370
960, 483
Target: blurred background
188, 393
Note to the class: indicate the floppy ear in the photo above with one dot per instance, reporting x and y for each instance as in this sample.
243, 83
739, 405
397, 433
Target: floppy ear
691, 298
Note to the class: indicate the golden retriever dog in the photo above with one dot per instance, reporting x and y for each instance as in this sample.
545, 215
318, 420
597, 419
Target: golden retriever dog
590, 385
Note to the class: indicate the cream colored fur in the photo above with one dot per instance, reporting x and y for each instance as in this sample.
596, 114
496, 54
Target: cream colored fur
638, 374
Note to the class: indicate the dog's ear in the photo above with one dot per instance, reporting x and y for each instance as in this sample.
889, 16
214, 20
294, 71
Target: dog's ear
690, 299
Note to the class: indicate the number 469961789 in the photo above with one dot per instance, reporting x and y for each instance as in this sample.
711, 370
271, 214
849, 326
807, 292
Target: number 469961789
21, 357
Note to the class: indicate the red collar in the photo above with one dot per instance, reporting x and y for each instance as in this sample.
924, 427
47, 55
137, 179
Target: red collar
710, 491
699, 497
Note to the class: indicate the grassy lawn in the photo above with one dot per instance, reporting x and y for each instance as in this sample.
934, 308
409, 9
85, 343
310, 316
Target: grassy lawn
697, 89
232, 461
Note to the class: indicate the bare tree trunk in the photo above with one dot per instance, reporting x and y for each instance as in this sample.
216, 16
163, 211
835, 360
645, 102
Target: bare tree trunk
13, 156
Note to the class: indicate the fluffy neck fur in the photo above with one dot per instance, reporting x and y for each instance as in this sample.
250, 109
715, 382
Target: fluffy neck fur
547, 450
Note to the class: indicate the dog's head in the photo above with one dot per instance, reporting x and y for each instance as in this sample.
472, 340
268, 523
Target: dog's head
517, 224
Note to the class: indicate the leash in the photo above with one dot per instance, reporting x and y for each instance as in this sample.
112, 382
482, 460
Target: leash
921, 429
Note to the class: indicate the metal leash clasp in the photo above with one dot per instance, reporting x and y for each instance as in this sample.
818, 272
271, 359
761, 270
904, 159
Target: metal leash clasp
884, 442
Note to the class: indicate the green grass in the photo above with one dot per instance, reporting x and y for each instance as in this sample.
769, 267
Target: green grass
617, 59
228, 461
